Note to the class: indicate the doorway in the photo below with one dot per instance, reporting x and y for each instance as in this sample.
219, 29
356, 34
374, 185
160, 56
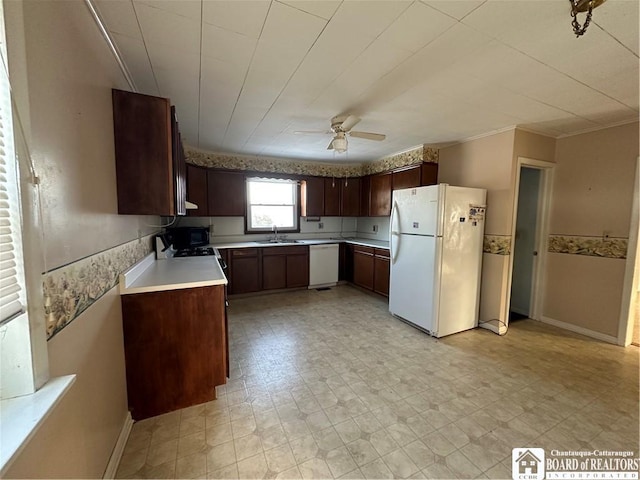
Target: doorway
525, 248
531, 206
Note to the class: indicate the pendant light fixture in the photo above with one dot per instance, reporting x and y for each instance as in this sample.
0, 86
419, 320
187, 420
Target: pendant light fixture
582, 6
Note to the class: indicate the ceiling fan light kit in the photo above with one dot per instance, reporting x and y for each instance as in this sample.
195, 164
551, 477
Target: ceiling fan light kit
341, 126
582, 6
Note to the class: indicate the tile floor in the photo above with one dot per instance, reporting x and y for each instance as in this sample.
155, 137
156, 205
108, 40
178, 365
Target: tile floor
329, 385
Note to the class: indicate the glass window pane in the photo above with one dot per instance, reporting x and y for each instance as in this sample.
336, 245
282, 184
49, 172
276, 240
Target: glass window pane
272, 193
267, 216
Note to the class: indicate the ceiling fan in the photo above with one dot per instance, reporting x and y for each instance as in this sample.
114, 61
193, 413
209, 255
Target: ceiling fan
341, 126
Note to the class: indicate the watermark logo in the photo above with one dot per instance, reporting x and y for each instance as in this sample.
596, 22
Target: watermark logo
527, 464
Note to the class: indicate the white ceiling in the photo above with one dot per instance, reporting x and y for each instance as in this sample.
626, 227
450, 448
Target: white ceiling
244, 75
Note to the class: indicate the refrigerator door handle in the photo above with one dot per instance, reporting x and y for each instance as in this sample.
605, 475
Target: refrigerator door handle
393, 233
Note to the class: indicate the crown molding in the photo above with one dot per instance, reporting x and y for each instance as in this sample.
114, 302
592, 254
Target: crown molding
600, 127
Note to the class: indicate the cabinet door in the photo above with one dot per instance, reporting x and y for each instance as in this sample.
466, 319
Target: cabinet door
406, 178
365, 195
350, 197
274, 270
297, 270
381, 272
143, 151
363, 267
332, 197
313, 197
245, 270
380, 205
197, 190
429, 174
226, 192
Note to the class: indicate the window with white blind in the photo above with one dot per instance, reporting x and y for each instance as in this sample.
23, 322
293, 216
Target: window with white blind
12, 297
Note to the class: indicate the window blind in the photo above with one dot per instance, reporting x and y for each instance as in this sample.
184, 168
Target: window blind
12, 298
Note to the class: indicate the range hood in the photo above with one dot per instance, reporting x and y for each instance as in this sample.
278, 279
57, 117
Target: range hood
190, 206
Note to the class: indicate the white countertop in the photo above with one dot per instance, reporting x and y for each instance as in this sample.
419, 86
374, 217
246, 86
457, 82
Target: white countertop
151, 275
320, 241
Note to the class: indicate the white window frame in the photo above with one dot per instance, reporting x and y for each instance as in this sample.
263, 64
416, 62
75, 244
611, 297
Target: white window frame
296, 205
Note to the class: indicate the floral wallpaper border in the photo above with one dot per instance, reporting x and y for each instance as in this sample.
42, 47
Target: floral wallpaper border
71, 289
497, 244
297, 167
590, 246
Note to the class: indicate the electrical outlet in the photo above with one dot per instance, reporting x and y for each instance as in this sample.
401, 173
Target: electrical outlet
139, 235
375, 229
321, 225
211, 230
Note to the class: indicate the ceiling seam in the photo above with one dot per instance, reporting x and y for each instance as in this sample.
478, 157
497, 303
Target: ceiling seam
549, 66
304, 11
153, 72
337, 76
290, 76
616, 39
246, 73
200, 72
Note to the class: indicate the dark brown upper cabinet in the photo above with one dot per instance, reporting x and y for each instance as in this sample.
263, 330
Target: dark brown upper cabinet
380, 198
365, 195
312, 197
332, 191
197, 190
350, 197
406, 178
226, 193
150, 170
429, 174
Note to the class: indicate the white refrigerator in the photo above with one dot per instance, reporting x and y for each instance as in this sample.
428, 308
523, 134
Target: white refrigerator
436, 236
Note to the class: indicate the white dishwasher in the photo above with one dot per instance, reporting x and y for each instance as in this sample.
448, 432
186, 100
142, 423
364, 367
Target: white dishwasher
323, 265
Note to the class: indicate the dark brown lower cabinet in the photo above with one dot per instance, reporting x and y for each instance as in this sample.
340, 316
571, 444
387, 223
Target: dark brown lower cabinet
175, 345
371, 268
244, 270
363, 267
285, 267
381, 269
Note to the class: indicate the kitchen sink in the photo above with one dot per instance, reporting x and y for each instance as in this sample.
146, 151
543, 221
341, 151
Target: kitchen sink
280, 240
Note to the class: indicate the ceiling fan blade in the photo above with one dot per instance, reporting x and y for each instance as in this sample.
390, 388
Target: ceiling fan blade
312, 132
369, 136
349, 123
330, 147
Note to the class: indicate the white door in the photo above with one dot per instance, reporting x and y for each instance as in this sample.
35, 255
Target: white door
413, 282
416, 210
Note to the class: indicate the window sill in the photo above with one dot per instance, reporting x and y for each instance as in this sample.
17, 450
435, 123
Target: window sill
20, 417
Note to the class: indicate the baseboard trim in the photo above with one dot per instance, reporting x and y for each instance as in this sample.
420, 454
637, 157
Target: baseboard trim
118, 450
581, 330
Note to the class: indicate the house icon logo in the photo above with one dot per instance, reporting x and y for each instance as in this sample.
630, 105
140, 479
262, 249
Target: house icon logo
527, 464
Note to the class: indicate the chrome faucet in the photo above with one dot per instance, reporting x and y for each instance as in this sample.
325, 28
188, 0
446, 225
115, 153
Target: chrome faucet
275, 232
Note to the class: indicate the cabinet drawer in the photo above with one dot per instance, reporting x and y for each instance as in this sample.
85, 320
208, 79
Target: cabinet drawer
244, 252
363, 249
382, 253
289, 250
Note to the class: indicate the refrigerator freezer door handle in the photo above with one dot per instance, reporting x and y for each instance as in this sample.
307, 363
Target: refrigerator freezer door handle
393, 233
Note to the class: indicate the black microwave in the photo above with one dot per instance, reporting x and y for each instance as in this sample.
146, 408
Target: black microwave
188, 237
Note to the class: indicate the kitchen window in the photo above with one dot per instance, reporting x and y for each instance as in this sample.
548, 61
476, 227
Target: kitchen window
272, 202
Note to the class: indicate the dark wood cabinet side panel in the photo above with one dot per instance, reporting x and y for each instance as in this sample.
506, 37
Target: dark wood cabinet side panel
380, 204
175, 348
226, 193
143, 150
429, 174
274, 271
407, 178
197, 190
332, 197
297, 271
